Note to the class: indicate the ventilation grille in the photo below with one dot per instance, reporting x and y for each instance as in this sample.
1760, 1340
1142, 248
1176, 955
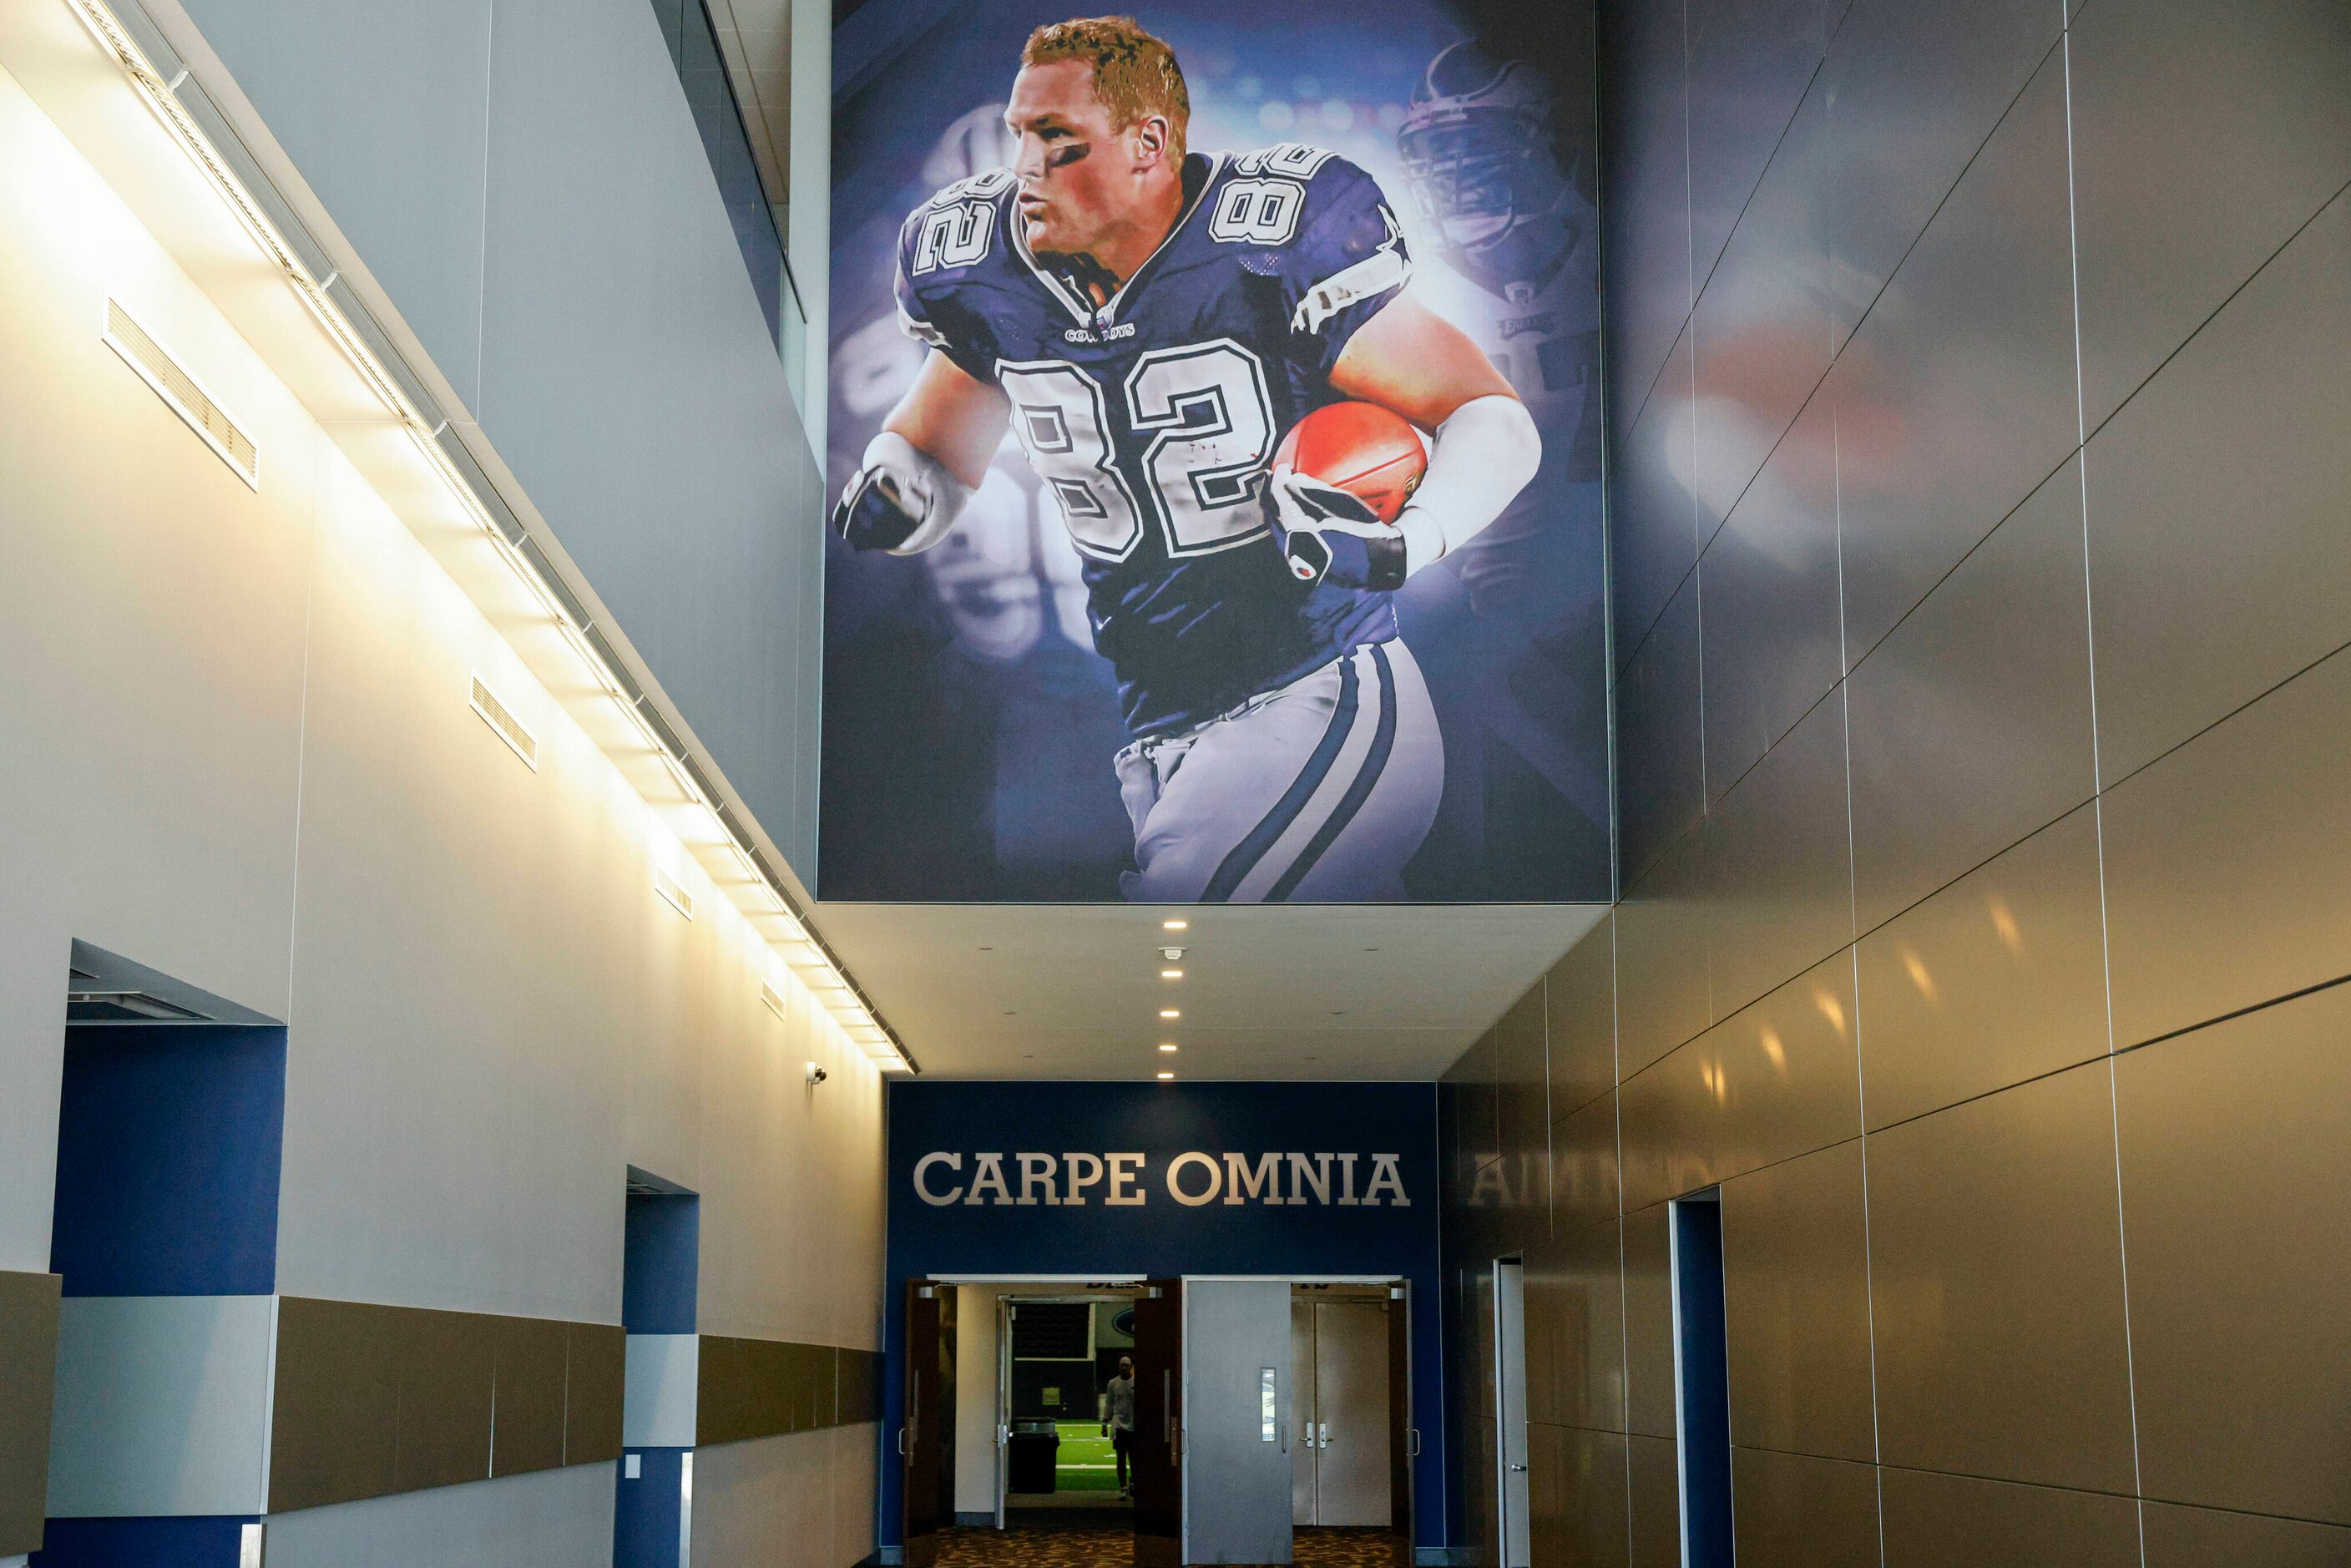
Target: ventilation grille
669, 887
774, 998
500, 717
175, 386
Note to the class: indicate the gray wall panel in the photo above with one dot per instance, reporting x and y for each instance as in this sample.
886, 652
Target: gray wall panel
1795, 1258
1971, 722
1956, 1522
1792, 1510
2200, 1538
2235, 1139
2188, 180
555, 1519
2229, 862
2000, 978
1956, 398
628, 380
1661, 960
1750, 62
1580, 1020
1652, 510
1660, 739
1919, 85
1997, 1278
1644, 201
1773, 646
1761, 333
1778, 855
2194, 619
385, 108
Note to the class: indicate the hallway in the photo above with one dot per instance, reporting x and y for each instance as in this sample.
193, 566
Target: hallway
1115, 1549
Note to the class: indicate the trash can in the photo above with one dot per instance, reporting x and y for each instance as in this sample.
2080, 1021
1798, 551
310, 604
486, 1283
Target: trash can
1036, 1454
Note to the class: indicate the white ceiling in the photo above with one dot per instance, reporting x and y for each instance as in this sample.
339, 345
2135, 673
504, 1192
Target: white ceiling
1338, 992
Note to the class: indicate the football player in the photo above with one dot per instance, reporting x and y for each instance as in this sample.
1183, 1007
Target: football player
1148, 320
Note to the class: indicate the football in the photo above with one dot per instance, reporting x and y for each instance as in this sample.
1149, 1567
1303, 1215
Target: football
1373, 454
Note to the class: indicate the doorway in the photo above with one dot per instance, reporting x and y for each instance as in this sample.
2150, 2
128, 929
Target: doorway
1341, 1458
1514, 1513
1035, 1482
1702, 1381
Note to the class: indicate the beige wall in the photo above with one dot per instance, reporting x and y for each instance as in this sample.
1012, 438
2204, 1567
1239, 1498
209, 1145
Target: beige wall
240, 751
1979, 446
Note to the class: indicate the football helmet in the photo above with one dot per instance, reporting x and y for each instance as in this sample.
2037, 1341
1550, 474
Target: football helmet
1480, 149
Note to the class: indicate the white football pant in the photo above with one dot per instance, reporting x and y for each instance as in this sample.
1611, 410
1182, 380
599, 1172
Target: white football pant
1318, 791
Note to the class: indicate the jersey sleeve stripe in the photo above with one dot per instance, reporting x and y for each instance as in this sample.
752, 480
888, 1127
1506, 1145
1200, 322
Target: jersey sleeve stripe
1384, 269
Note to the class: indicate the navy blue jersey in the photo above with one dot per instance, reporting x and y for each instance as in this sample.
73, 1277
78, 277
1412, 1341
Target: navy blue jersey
1152, 418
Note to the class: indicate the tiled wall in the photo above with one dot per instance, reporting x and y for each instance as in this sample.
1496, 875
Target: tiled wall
1979, 443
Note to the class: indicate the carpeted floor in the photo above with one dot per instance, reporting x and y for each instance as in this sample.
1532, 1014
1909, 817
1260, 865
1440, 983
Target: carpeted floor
1115, 1549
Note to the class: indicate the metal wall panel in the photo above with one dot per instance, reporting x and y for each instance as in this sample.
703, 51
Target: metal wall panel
2202, 1538
1778, 855
1778, 1080
1773, 646
1580, 1020
1522, 1089
1644, 199
1661, 960
1971, 721
448, 1363
2186, 181
1478, 1104
1761, 333
2236, 1147
2229, 862
1956, 397
1997, 978
1919, 85
1657, 1504
1583, 1184
1649, 1324
1593, 1527
1652, 511
29, 1367
1997, 1288
1795, 1257
1575, 1329
1792, 1510
527, 1433
2194, 620
1660, 735
1957, 1522
1750, 62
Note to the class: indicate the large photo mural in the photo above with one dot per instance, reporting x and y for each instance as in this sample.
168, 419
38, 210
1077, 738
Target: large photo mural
1214, 456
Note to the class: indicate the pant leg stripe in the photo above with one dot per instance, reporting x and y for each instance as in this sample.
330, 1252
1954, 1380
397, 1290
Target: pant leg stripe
1244, 856
1376, 761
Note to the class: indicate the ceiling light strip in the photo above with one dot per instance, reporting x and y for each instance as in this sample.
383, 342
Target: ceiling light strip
858, 1016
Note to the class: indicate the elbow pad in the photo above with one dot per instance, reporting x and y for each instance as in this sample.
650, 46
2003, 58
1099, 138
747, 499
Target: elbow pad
1481, 458
903, 499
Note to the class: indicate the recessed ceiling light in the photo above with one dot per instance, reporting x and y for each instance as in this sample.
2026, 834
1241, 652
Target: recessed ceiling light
1164, 1076
1171, 974
1171, 1013
1167, 1047
1176, 925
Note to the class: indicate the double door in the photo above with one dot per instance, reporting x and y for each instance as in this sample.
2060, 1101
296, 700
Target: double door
1341, 1458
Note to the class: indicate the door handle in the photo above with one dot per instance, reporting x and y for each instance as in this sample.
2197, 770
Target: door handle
901, 1442
1517, 1470
1412, 1443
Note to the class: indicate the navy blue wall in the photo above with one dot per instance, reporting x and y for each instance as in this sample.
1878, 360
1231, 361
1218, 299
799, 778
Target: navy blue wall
169, 1140
182, 1542
661, 1263
1161, 1237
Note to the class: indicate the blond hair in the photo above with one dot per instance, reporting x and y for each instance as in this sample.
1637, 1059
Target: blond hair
1136, 74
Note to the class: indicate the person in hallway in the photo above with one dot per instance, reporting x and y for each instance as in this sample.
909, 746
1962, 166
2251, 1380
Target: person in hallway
1118, 1419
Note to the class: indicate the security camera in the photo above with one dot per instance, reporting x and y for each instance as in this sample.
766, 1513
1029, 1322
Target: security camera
816, 1074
